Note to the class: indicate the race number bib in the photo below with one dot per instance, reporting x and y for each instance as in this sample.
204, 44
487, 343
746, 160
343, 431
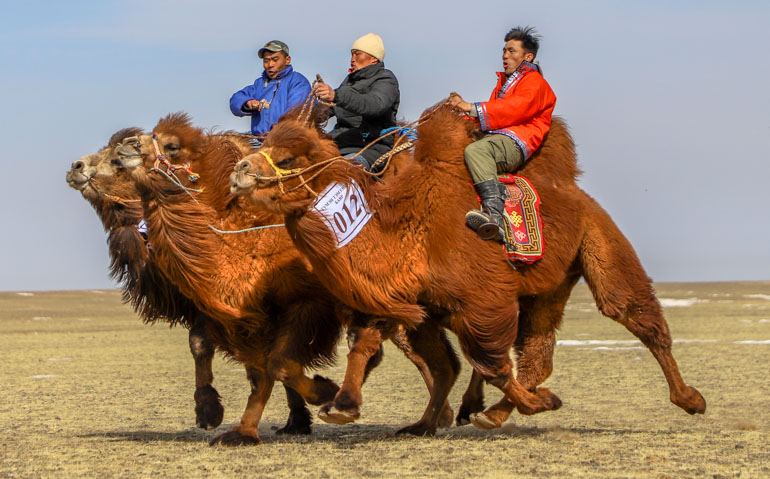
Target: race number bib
344, 209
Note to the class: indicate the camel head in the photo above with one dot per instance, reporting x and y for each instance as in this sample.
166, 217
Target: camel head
88, 173
174, 142
294, 164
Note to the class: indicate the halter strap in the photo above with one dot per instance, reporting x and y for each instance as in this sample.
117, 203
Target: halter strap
278, 171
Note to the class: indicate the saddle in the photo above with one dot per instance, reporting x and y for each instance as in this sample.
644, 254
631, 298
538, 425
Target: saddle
523, 226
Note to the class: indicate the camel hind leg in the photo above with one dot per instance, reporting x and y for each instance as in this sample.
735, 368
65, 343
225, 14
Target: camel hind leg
539, 318
486, 335
624, 293
431, 352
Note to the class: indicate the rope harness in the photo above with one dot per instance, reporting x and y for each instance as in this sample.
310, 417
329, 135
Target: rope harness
400, 144
161, 158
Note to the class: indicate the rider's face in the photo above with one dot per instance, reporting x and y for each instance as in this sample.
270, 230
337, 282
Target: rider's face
513, 55
359, 60
275, 63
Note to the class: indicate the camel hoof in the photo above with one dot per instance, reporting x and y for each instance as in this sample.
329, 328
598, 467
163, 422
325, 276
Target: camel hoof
209, 411
691, 401
235, 438
326, 389
482, 421
418, 429
547, 401
330, 414
297, 425
464, 415
446, 418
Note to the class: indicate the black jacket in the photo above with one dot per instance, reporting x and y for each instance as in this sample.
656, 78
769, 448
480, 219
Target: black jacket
366, 103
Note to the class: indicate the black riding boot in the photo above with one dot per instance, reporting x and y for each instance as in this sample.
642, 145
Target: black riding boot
488, 222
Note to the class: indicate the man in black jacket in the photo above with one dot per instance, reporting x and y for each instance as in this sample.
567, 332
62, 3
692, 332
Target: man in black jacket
365, 103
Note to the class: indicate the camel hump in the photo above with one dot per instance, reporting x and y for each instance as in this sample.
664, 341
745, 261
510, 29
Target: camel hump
556, 159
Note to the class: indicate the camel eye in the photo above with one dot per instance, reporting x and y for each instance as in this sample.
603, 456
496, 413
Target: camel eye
116, 162
286, 162
173, 147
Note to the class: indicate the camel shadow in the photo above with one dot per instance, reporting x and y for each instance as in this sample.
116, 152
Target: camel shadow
358, 434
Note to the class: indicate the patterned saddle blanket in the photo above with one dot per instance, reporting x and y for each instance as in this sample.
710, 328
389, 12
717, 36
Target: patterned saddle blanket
524, 229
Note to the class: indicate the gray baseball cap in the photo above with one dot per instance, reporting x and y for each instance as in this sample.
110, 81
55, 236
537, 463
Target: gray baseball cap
273, 46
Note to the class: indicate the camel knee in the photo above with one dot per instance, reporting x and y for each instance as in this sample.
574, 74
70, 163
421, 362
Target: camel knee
200, 346
278, 369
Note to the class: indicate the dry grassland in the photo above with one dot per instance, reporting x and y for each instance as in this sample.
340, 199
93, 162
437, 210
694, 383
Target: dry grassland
88, 391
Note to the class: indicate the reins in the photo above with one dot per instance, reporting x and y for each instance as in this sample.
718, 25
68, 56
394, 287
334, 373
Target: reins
399, 145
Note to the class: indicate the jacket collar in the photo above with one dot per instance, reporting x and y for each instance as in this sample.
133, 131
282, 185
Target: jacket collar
281, 75
367, 72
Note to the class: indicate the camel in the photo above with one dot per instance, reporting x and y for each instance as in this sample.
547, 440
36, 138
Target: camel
152, 296
255, 285
414, 252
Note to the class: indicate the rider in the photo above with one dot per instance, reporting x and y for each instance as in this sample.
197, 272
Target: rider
274, 93
365, 103
515, 120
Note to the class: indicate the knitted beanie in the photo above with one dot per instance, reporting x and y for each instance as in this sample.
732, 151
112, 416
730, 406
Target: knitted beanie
370, 43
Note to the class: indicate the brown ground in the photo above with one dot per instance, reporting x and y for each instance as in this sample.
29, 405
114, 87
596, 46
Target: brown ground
89, 391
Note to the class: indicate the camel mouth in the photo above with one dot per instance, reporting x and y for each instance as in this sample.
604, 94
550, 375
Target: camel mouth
242, 183
77, 180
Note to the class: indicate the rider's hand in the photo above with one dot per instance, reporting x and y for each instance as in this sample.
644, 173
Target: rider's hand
456, 101
253, 105
324, 92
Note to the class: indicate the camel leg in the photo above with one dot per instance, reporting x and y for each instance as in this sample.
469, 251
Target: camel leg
432, 353
473, 399
364, 342
246, 432
300, 420
624, 293
281, 367
538, 320
209, 411
489, 354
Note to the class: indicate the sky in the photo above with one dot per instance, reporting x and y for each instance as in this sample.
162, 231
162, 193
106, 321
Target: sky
668, 103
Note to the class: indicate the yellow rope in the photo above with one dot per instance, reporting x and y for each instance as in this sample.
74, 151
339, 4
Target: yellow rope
278, 171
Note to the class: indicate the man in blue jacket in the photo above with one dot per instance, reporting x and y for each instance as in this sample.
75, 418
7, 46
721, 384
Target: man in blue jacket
278, 90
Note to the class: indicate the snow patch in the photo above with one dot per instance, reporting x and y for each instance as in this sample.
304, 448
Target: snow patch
41, 318
624, 344
26, 294
766, 297
628, 348
595, 342
680, 303
59, 359
44, 376
766, 341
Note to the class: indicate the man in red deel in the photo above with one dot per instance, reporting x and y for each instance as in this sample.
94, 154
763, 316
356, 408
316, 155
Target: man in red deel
515, 120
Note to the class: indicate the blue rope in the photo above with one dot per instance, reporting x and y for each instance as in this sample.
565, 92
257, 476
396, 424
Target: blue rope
410, 133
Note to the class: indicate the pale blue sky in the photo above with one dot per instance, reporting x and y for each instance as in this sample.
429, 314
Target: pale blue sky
668, 103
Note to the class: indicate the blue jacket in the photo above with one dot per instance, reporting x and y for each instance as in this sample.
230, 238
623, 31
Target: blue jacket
287, 90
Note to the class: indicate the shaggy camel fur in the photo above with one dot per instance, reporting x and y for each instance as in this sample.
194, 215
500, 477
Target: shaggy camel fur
284, 315
414, 251
143, 285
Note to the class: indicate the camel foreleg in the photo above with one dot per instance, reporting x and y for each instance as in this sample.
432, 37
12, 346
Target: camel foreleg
247, 432
365, 342
209, 411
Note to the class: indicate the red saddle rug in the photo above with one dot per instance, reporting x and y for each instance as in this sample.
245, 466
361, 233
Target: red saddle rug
524, 229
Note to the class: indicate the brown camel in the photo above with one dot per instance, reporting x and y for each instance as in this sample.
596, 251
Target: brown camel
414, 252
288, 319
143, 285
